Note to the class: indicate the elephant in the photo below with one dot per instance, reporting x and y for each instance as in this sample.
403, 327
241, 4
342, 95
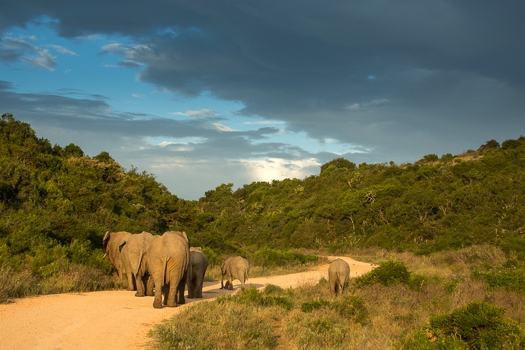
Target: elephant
168, 261
199, 264
338, 276
132, 252
234, 268
111, 243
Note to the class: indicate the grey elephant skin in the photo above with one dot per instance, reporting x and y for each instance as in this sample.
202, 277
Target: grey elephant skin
132, 253
168, 260
234, 268
199, 264
338, 276
111, 243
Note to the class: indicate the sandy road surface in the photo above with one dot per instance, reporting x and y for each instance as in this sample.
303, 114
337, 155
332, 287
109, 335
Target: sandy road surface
112, 319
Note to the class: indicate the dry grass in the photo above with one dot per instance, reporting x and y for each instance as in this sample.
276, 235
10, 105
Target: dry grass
71, 278
394, 313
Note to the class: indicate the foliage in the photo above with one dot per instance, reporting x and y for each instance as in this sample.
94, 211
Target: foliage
57, 203
269, 257
387, 273
510, 275
477, 325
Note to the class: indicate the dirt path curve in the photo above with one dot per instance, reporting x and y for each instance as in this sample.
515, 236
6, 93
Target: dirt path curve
112, 319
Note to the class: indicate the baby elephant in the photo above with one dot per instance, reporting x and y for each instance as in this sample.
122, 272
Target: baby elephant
338, 276
234, 268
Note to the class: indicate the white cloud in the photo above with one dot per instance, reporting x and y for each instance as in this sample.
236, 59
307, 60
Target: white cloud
222, 127
279, 169
197, 114
140, 96
265, 122
63, 50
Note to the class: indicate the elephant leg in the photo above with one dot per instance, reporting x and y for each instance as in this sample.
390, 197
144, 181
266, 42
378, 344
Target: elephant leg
180, 291
172, 295
198, 287
165, 293
332, 288
149, 285
191, 287
131, 283
123, 279
157, 302
139, 279
230, 282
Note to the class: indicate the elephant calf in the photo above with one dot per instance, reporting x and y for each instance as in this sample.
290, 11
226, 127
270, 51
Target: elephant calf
234, 268
199, 264
338, 276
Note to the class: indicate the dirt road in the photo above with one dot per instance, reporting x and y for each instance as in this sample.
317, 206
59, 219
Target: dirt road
112, 319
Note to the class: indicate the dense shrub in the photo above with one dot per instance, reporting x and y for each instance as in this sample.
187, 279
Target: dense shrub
387, 273
477, 325
269, 257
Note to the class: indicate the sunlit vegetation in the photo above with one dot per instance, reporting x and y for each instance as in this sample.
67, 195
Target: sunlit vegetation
451, 308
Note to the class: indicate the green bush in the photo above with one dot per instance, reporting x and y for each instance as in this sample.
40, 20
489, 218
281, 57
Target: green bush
477, 325
269, 257
509, 275
387, 273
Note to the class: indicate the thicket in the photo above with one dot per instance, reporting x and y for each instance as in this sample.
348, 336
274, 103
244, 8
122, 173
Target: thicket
56, 205
434, 204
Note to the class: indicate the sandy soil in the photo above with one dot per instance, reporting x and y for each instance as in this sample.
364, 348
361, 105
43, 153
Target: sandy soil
113, 319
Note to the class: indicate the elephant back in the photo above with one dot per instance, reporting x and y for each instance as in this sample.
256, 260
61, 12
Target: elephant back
339, 269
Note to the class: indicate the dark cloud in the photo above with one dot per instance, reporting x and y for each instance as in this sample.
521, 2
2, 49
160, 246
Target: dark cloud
400, 79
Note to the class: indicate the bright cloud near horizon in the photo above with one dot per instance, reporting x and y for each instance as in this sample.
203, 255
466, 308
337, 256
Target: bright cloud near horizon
211, 92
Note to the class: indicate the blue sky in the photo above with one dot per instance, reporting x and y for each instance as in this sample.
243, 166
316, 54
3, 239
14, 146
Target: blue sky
211, 92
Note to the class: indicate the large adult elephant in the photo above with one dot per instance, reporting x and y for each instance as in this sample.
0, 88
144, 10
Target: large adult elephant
338, 276
132, 253
168, 260
199, 264
111, 243
234, 268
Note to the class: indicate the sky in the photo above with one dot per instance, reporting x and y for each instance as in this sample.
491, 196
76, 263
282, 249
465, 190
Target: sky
208, 92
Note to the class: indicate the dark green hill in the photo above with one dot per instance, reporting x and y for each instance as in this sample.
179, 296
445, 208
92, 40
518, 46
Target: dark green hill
434, 204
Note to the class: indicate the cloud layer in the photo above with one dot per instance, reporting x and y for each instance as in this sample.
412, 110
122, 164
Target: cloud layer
394, 80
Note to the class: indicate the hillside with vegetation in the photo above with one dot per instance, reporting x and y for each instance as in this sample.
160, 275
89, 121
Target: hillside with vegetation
434, 204
56, 203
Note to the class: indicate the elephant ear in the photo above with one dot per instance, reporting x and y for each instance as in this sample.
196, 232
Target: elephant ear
122, 246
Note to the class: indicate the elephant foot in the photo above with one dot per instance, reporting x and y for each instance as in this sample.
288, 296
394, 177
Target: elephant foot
139, 295
157, 305
230, 287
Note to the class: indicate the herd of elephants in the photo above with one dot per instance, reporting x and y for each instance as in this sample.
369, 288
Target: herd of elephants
163, 265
